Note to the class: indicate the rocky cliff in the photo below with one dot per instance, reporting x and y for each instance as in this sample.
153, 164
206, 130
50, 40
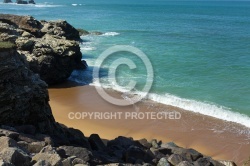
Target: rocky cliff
51, 48
24, 99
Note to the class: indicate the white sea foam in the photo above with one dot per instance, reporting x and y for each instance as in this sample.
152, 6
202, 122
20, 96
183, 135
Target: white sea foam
88, 48
39, 5
208, 109
74, 4
213, 110
46, 5
110, 34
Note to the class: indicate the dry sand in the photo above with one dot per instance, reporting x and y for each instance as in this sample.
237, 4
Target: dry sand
212, 137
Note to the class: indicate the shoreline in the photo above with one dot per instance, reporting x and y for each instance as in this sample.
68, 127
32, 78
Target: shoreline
213, 137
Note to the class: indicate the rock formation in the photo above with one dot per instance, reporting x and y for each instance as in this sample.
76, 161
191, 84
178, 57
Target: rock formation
25, 2
121, 151
7, 1
51, 48
24, 99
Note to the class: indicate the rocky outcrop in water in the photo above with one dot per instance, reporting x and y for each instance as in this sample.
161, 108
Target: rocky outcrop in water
7, 1
25, 2
51, 48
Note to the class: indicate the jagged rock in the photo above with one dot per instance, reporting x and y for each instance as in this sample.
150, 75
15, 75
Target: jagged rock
51, 48
45, 138
53, 55
96, 33
169, 145
83, 32
96, 143
32, 2
185, 163
4, 163
7, 1
155, 152
6, 142
203, 162
8, 133
8, 128
21, 92
42, 163
191, 154
175, 159
26, 23
78, 161
49, 149
21, 2
165, 151
155, 144
53, 159
36, 147
144, 143
15, 156
163, 162
68, 161
25, 97
134, 153
26, 129
60, 28
23, 145
228, 163
79, 152
78, 138
121, 141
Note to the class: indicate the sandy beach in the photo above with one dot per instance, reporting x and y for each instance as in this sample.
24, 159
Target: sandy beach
213, 137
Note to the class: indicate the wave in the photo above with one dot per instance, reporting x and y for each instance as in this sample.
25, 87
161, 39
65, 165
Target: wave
110, 34
44, 5
75, 4
88, 48
208, 109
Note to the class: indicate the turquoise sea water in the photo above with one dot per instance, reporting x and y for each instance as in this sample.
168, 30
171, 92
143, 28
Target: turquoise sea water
200, 50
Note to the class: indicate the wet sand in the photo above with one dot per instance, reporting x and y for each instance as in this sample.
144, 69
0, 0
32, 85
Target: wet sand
213, 137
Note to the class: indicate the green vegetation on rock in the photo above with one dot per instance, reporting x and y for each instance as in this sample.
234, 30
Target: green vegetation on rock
6, 45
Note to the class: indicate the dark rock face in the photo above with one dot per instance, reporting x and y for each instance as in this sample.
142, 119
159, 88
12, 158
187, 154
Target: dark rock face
24, 103
23, 94
25, 2
123, 152
32, 2
96, 142
7, 1
60, 28
51, 48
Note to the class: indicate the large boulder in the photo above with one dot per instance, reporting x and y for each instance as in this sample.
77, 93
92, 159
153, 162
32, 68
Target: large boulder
51, 48
60, 28
24, 100
79, 152
23, 94
15, 156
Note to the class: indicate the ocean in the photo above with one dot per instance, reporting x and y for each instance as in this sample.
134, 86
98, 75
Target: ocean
199, 50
